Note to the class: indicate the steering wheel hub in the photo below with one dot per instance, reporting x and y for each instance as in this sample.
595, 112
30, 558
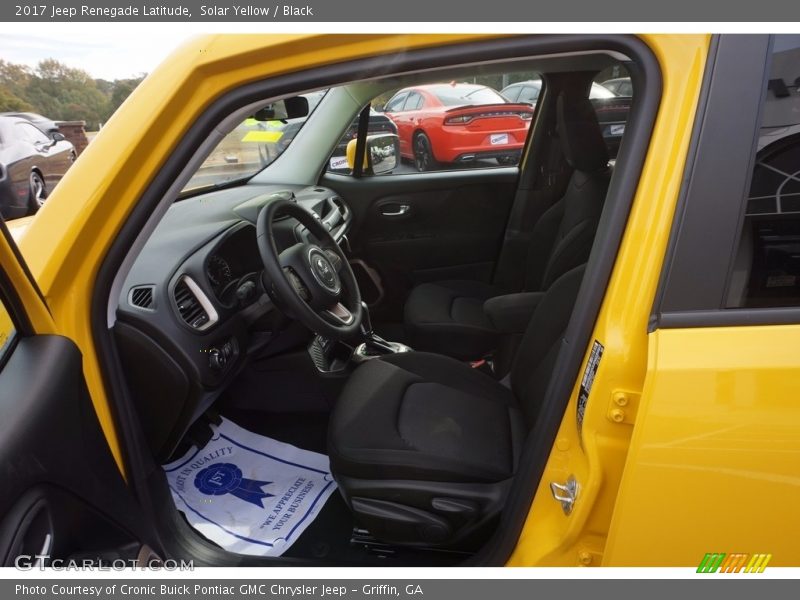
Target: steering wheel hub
323, 271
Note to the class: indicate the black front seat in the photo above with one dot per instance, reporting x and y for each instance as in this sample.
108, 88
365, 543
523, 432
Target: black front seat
449, 317
423, 447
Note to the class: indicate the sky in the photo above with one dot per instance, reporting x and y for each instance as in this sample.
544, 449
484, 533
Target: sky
123, 50
110, 54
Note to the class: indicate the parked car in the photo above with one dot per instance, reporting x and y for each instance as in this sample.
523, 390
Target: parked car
445, 123
649, 314
48, 126
31, 164
612, 111
620, 86
528, 91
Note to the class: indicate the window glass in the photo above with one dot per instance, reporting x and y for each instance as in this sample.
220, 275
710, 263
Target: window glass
31, 133
251, 146
441, 125
396, 103
766, 269
529, 94
511, 93
610, 106
413, 102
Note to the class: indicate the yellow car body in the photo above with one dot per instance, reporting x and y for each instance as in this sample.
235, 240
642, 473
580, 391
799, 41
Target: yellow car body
698, 426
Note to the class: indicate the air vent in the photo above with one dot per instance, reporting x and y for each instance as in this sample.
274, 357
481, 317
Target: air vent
193, 305
141, 296
341, 206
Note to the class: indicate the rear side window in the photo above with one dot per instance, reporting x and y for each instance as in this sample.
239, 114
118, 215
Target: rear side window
414, 102
766, 269
529, 94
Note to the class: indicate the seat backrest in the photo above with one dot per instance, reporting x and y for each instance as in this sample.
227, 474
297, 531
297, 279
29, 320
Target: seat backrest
562, 237
538, 350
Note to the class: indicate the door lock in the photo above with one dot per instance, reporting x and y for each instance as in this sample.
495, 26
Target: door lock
566, 494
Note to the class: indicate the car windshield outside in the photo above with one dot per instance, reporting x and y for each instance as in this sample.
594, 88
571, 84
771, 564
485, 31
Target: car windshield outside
250, 147
462, 94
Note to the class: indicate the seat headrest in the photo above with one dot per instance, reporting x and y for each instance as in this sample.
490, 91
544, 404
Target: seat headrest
580, 135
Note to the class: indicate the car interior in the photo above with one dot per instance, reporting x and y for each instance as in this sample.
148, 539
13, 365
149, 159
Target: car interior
406, 325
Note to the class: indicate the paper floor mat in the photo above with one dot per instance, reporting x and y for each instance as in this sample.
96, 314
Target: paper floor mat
249, 493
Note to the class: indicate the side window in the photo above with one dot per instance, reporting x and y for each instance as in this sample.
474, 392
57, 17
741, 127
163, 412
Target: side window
413, 102
611, 106
766, 267
512, 93
396, 103
32, 134
454, 122
529, 94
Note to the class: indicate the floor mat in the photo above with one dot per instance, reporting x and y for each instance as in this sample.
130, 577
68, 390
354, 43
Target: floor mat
249, 493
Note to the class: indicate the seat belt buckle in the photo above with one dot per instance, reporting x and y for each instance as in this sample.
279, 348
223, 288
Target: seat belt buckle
485, 364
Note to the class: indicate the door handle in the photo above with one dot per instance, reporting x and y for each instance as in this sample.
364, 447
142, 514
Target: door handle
402, 209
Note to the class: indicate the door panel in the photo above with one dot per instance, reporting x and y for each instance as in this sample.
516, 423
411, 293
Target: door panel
429, 226
715, 449
62, 492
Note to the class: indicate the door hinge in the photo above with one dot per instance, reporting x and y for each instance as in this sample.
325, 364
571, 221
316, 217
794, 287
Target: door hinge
623, 407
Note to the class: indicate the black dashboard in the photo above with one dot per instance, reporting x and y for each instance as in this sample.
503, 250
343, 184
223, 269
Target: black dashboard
192, 307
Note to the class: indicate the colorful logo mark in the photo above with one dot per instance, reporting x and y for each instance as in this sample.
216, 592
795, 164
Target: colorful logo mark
719, 562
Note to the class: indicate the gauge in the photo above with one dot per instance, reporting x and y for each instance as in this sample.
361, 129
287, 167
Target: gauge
219, 272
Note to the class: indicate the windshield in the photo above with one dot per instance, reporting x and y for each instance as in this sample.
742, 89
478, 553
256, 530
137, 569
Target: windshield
248, 148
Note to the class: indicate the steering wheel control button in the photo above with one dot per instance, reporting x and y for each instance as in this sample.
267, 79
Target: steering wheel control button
335, 260
297, 284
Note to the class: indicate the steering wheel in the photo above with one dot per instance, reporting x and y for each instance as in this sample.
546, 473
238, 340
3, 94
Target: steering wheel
311, 282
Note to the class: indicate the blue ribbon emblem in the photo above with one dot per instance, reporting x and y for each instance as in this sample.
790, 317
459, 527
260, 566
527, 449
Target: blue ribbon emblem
226, 478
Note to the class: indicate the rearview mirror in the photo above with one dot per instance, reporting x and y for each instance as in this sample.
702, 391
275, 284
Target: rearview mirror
58, 137
289, 108
381, 156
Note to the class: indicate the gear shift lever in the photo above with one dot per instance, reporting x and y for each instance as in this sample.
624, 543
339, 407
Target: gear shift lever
366, 322
374, 343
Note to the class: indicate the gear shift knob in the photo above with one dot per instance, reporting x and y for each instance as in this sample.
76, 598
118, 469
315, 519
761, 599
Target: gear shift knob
366, 322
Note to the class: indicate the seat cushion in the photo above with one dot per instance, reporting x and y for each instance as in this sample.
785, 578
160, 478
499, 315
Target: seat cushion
424, 417
447, 317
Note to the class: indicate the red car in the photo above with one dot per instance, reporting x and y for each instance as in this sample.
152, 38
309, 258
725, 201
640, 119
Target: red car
457, 123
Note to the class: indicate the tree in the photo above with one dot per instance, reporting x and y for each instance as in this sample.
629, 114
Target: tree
120, 90
11, 103
61, 93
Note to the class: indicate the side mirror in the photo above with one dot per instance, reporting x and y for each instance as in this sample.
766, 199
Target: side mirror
381, 156
289, 108
57, 136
